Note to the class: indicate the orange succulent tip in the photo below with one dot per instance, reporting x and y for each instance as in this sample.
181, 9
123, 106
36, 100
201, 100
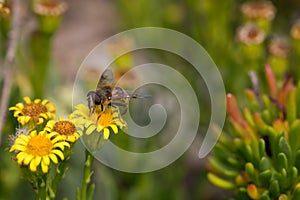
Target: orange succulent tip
239, 180
233, 110
287, 87
253, 191
281, 126
271, 80
259, 9
242, 178
258, 120
210, 167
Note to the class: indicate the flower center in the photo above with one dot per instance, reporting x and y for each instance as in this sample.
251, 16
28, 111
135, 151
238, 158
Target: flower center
64, 128
39, 146
252, 34
105, 118
34, 109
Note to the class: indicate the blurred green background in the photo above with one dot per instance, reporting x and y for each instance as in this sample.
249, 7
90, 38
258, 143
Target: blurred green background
47, 61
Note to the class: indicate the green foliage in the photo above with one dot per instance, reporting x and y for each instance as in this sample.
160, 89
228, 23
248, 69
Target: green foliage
266, 148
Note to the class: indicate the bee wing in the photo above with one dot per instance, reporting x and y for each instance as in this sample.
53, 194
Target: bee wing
138, 95
106, 78
119, 94
120, 99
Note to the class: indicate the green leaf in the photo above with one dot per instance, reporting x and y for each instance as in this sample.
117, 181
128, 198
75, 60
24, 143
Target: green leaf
261, 147
250, 170
265, 177
265, 196
249, 152
234, 162
291, 109
252, 100
242, 194
260, 124
298, 99
222, 168
296, 194
284, 180
220, 182
274, 189
293, 176
285, 148
248, 117
264, 164
273, 140
297, 160
294, 135
266, 116
282, 161
226, 157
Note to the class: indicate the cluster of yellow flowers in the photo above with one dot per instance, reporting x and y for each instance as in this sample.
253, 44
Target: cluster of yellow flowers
45, 139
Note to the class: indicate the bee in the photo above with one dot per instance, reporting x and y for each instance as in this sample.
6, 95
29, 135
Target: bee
106, 94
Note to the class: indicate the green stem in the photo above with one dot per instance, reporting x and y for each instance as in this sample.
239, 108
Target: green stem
42, 189
40, 61
87, 189
60, 171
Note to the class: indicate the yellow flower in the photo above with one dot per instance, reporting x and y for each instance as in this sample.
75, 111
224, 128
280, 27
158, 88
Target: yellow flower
98, 121
39, 149
65, 128
33, 111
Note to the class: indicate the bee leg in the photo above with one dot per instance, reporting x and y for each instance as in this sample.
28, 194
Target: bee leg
118, 105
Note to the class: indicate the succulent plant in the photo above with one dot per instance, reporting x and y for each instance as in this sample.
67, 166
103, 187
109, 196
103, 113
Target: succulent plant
259, 156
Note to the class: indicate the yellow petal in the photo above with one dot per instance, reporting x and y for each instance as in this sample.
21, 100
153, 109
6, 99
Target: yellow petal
46, 160
106, 133
114, 128
59, 153
99, 128
33, 133
16, 113
21, 142
57, 139
32, 166
27, 159
14, 108
45, 101
53, 158
37, 160
44, 115
90, 130
61, 145
20, 157
27, 100
44, 167
40, 121
24, 119
37, 101
88, 123
18, 147
52, 134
